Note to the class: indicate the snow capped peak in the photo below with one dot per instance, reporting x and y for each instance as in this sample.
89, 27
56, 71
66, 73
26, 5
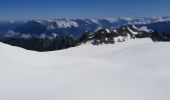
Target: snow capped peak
12, 21
127, 18
49, 20
160, 18
66, 24
95, 20
112, 20
51, 27
38, 21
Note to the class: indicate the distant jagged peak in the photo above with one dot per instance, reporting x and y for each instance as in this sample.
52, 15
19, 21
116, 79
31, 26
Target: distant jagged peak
112, 20
66, 23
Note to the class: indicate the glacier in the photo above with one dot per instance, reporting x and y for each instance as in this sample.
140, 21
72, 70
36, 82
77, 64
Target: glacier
137, 69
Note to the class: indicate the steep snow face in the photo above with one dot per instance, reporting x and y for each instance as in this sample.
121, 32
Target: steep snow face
143, 28
107, 30
133, 32
51, 27
96, 21
133, 70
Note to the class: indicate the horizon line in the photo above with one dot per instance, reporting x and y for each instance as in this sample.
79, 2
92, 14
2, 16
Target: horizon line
65, 18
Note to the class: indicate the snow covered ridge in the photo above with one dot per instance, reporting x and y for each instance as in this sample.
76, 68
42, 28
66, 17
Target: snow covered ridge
133, 70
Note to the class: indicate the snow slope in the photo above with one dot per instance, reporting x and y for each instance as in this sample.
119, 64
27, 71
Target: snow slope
133, 70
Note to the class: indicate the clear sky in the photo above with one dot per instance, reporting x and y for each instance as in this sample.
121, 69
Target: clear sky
44, 9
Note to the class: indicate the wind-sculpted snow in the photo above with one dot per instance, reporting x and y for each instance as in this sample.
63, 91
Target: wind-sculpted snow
133, 70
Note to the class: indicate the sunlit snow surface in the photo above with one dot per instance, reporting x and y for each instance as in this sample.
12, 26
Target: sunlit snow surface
133, 70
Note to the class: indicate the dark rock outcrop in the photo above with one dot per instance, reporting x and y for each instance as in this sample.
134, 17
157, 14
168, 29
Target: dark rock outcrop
110, 36
40, 44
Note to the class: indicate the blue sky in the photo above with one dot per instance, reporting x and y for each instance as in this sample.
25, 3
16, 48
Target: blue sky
44, 9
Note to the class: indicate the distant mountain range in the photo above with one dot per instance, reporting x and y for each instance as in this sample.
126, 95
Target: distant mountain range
47, 35
76, 27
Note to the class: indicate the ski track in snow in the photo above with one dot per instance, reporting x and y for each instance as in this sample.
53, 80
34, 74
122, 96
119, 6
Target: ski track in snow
134, 70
